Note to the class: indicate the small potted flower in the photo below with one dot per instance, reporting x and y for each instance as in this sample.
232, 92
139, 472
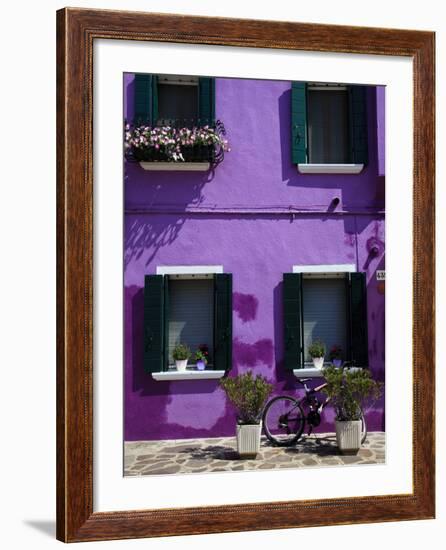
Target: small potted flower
181, 354
335, 356
202, 356
317, 352
248, 395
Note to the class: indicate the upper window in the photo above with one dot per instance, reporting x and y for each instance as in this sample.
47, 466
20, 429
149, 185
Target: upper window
328, 131
328, 307
174, 100
177, 100
329, 124
192, 309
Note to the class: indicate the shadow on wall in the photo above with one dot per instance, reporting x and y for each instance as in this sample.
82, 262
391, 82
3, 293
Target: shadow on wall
143, 190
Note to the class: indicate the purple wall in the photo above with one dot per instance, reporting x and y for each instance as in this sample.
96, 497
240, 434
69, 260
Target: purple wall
239, 217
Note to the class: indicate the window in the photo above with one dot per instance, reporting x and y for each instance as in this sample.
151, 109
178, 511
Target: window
328, 124
324, 313
174, 99
190, 314
192, 309
331, 307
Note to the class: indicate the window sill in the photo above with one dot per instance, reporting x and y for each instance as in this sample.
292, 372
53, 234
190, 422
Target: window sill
188, 375
330, 168
308, 372
312, 372
175, 166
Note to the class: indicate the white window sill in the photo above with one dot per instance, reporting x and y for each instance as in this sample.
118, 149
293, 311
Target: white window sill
330, 168
175, 166
188, 375
308, 372
312, 372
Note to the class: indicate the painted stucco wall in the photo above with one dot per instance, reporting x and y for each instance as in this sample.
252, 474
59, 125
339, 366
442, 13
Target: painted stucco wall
256, 216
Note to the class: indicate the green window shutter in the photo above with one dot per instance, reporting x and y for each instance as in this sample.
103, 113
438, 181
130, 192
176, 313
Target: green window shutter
166, 323
298, 122
154, 102
153, 323
358, 124
206, 100
292, 316
143, 97
358, 319
223, 321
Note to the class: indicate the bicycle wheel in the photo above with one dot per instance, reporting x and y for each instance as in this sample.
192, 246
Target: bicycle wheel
283, 420
363, 429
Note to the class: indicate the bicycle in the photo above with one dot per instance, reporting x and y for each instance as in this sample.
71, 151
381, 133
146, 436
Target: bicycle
284, 416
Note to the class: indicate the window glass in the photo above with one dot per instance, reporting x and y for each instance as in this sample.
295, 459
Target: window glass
178, 102
191, 314
324, 313
328, 133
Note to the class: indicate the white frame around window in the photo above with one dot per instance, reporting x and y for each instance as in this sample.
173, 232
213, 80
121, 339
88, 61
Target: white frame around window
323, 271
189, 271
180, 80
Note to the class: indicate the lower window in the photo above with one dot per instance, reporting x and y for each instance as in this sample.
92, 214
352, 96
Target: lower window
324, 313
331, 308
190, 314
193, 310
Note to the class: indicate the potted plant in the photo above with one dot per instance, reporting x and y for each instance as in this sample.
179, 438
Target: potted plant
349, 390
248, 395
335, 356
317, 352
181, 354
202, 356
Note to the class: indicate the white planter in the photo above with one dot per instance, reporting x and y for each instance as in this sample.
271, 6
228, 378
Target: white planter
348, 436
175, 166
181, 364
318, 362
248, 439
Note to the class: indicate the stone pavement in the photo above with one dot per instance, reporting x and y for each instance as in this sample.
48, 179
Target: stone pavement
188, 456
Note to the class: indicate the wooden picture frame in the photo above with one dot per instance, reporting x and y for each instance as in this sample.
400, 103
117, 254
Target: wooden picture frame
76, 31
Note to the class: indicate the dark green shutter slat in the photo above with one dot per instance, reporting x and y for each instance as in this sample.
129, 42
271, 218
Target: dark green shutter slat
154, 105
206, 100
358, 124
143, 97
358, 319
153, 323
292, 316
223, 322
166, 324
299, 122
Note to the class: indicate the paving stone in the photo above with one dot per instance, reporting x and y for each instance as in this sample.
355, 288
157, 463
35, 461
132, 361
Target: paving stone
168, 470
219, 454
365, 453
350, 459
310, 462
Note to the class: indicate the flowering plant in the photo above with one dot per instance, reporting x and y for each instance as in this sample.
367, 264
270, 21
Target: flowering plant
335, 352
143, 140
202, 353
